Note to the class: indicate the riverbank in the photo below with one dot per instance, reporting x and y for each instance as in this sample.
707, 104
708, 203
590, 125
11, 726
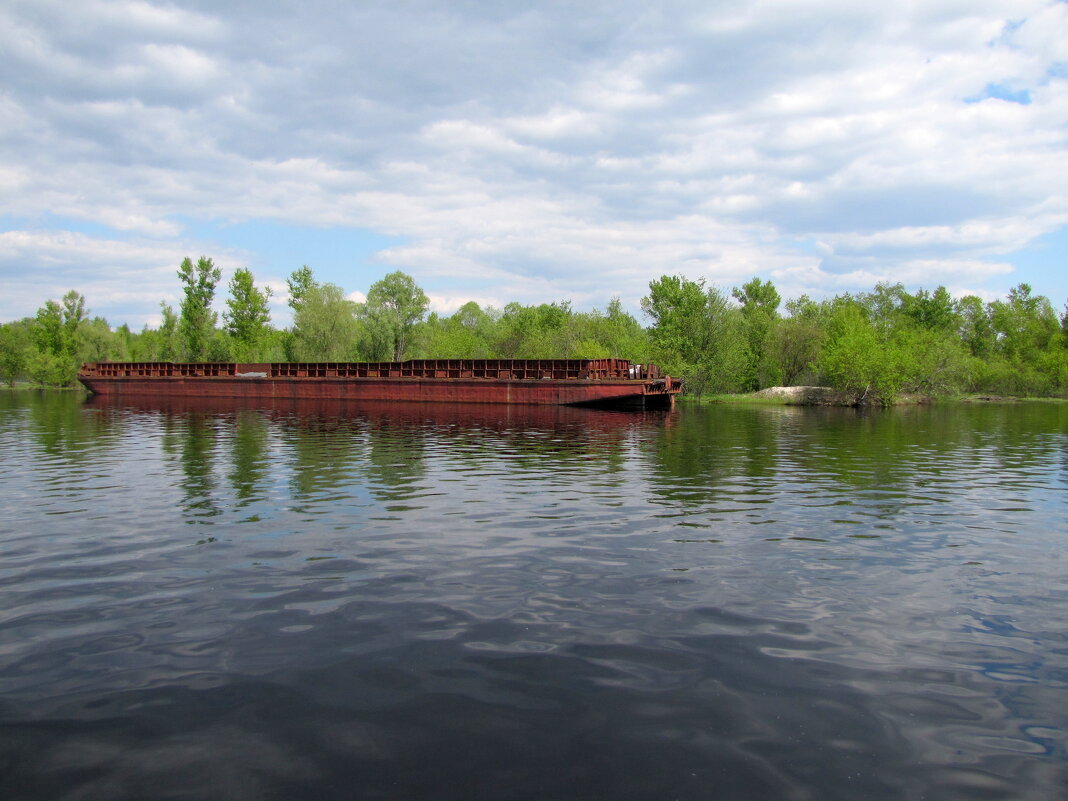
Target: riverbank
827, 396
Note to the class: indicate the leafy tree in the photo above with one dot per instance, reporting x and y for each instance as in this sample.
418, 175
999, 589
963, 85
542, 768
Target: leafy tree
613, 332
888, 342
74, 314
677, 307
168, 333
797, 340
325, 327
696, 333
98, 343
883, 306
16, 347
196, 324
50, 370
933, 311
760, 312
247, 316
858, 359
300, 283
1026, 324
466, 334
57, 334
936, 361
976, 328
1027, 332
49, 333
534, 332
394, 306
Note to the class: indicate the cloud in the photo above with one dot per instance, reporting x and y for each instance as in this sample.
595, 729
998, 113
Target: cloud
535, 154
113, 275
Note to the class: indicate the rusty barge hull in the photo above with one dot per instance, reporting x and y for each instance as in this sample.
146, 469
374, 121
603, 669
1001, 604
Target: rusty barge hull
556, 382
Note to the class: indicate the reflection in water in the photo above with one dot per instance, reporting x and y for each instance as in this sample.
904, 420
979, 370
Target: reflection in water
248, 474
503, 602
191, 443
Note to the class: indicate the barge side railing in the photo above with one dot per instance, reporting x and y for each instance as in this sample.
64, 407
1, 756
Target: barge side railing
513, 369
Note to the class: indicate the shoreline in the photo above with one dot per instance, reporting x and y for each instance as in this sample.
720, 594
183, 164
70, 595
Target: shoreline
827, 396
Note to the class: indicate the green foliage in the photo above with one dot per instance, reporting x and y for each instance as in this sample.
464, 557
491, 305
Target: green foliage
48, 332
248, 317
394, 306
796, 343
62, 339
976, 327
325, 327
875, 345
543, 331
696, 333
16, 347
677, 307
196, 322
300, 282
856, 358
878, 347
96, 342
617, 333
534, 332
49, 370
466, 334
931, 311
760, 314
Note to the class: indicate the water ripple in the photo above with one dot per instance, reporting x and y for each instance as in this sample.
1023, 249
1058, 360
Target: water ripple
443, 602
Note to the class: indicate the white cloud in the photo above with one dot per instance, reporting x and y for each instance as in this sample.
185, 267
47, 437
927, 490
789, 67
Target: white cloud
537, 154
113, 275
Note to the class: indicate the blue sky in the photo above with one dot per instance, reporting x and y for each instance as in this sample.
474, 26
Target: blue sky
555, 151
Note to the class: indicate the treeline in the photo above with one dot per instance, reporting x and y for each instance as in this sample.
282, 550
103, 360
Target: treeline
876, 345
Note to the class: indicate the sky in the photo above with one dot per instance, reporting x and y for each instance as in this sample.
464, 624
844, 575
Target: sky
531, 152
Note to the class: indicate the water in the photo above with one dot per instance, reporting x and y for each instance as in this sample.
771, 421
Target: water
437, 602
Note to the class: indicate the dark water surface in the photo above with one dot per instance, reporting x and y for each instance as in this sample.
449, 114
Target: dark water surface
438, 602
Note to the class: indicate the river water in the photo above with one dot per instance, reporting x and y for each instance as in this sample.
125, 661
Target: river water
440, 602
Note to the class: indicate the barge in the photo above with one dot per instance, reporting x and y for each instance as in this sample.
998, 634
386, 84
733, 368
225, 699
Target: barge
556, 382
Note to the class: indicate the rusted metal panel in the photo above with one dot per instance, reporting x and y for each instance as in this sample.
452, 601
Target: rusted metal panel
519, 381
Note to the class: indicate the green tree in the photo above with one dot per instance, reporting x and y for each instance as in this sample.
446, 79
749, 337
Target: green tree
49, 333
98, 343
57, 334
394, 306
16, 347
1027, 332
677, 307
466, 334
534, 332
300, 283
248, 316
798, 339
760, 313
325, 327
196, 324
934, 311
168, 330
74, 314
697, 333
613, 332
976, 328
859, 359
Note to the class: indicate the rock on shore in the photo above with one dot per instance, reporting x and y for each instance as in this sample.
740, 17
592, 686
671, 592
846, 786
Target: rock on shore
809, 396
